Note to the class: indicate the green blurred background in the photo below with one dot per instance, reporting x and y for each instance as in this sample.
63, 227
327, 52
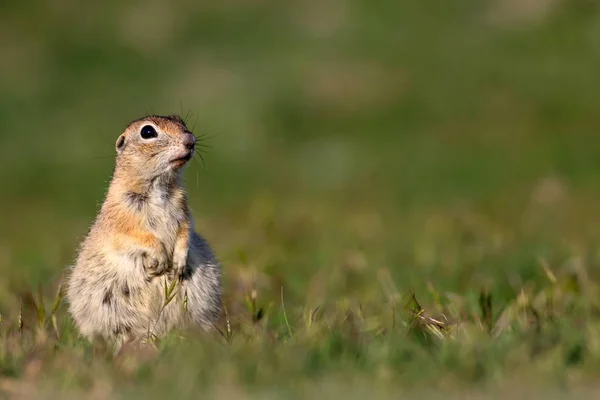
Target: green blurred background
452, 143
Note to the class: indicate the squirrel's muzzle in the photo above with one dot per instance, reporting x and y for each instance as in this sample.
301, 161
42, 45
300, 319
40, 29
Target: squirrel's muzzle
189, 140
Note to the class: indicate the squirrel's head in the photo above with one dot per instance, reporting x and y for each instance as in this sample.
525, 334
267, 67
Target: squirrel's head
155, 145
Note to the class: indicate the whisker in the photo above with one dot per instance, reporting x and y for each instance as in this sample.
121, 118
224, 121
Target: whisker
194, 160
204, 136
196, 121
181, 109
196, 151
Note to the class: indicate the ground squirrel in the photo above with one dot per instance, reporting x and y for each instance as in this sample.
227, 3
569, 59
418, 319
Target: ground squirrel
143, 243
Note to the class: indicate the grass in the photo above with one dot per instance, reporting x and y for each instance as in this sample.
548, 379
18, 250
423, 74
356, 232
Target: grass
403, 195
392, 343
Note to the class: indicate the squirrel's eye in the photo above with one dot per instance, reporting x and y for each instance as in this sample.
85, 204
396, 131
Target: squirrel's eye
148, 132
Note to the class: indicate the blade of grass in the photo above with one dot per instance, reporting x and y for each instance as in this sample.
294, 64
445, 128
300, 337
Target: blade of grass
285, 318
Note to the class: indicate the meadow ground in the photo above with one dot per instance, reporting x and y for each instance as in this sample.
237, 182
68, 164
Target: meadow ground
405, 196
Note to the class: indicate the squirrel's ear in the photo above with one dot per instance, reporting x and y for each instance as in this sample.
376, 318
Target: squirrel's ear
120, 143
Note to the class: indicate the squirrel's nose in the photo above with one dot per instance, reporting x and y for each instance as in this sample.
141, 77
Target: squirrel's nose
189, 140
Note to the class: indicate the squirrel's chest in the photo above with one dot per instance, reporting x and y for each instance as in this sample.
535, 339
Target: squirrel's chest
164, 217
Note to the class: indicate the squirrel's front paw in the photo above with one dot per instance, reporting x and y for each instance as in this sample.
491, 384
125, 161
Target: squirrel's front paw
155, 263
179, 263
